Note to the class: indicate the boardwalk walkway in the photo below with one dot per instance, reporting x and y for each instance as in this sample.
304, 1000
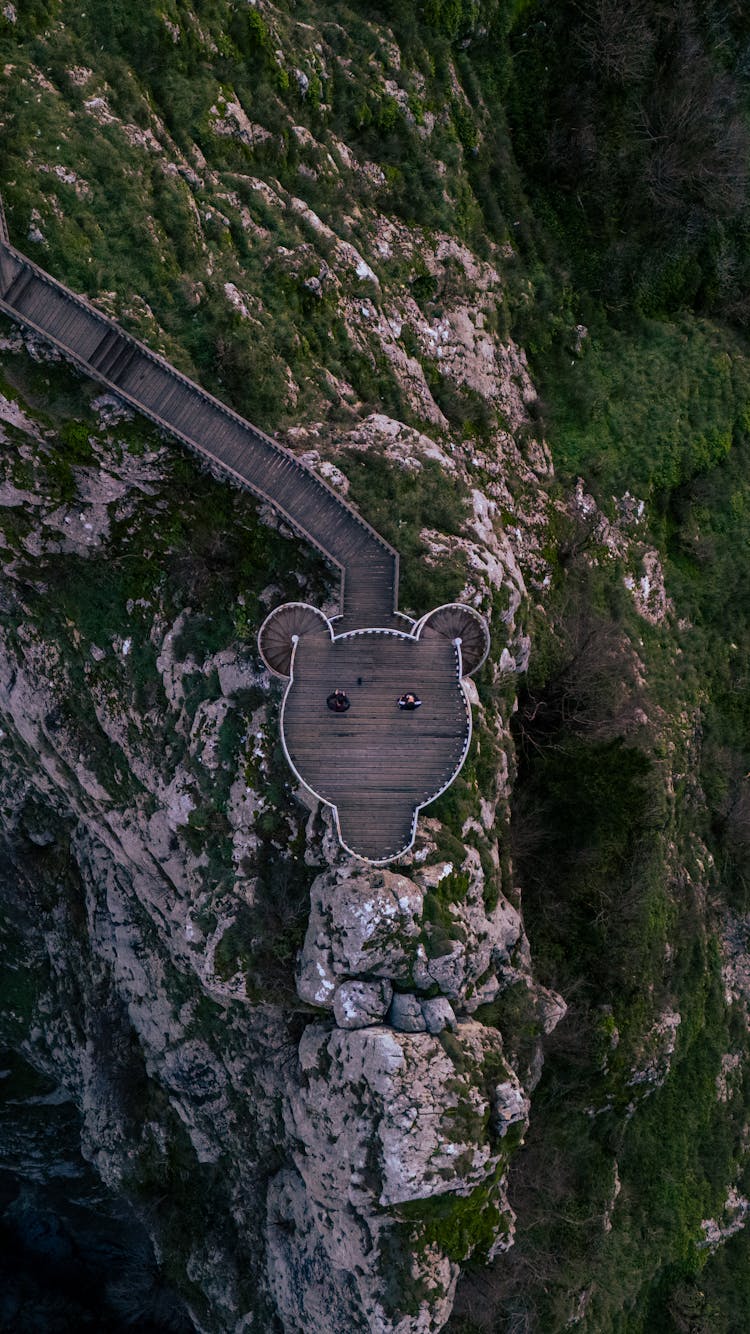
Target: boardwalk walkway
376, 766
368, 565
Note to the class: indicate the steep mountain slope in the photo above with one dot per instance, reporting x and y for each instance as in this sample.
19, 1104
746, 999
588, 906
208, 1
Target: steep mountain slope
317, 212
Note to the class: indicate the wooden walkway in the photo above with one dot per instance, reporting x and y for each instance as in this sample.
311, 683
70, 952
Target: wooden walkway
375, 765
367, 564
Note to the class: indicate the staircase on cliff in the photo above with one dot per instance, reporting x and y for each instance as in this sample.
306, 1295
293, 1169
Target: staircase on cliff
368, 566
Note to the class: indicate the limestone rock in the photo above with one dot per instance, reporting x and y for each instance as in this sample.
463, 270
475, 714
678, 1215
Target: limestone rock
418, 1112
380, 1118
509, 1105
465, 968
308, 1292
330, 1273
438, 1014
735, 1216
406, 1015
369, 924
357, 1004
236, 672
657, 1049
551, 1008
362, 923
373, 1116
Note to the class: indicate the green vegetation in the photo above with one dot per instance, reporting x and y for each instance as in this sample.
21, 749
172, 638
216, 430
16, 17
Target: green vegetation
631, 127
187, 551
652, 399
648, 408
673, 1156
459, 1225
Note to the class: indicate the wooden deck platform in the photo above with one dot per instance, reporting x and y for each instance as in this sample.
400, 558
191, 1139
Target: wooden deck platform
376, 764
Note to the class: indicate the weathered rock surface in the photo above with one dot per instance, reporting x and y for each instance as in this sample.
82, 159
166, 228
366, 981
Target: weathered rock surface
357, 1004
362, 923
326, 1278
735, 1217
406, 1015
438, 1014
147, 761
509, 1106
404, 1099
420, 1130
371, 924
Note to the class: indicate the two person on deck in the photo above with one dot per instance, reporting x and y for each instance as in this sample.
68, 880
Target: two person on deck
338, 701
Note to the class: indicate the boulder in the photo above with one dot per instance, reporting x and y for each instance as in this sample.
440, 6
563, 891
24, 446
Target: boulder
406, 1015
509, 1104
369, 923
438, 1014
358, 1004
366, 923
422, 1113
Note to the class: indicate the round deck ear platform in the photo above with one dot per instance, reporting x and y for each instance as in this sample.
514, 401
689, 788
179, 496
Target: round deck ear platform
457, 621
282, 627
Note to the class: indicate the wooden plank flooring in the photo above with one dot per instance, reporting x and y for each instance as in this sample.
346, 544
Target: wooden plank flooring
180, 406
376, 763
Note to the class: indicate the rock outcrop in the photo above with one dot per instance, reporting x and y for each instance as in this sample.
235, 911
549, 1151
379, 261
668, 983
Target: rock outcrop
372, 924
408, 1110
384, 1125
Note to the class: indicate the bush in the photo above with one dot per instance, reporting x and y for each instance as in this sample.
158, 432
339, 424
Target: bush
630, 125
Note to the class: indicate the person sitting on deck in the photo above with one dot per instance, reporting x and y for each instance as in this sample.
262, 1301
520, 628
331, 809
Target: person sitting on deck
409, 701
338, 701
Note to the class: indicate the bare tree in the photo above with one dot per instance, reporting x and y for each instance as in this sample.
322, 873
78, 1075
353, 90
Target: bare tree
696, 135
618, 39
